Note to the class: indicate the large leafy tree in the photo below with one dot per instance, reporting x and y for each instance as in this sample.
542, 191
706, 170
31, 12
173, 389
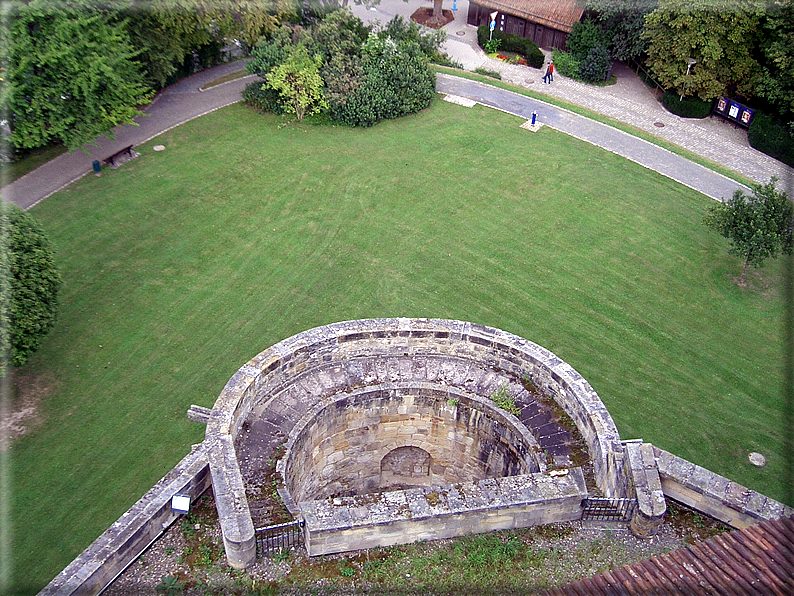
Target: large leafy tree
776, 81
719, 36
623, 21
758, 226
29, 286
72, 72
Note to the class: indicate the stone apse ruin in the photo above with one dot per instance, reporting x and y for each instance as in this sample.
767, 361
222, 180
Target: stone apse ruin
393, 433
389, 431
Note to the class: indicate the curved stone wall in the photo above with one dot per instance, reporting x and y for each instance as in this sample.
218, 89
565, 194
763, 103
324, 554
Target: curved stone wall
340, 446
287, 380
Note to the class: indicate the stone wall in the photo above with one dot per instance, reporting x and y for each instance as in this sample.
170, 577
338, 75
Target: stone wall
351, 523
715, 495
129, 536
339, 446
285, 381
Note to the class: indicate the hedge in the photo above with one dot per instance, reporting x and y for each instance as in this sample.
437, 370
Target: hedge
513, 43
771, 137
689, 107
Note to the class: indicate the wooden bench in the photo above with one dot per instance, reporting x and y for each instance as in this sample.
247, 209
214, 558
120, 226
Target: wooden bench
111, 161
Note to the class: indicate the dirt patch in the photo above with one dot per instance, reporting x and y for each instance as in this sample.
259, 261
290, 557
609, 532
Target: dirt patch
424, 16
21, 411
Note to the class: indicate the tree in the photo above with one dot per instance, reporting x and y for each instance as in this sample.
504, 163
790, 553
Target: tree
29, 286
73, 75
759, 227
776, 81
584, 36
720, 37
298, 81
623, 21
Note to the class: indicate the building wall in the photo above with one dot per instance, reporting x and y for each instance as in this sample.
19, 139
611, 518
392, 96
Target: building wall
546, 37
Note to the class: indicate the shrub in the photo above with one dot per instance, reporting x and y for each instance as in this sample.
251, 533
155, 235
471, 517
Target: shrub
771, 137
29, 286
565, 64
595, 67
397, 81
689, 107
513, 43
263, 98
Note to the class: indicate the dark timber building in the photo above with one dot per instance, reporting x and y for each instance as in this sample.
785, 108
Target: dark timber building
546, 22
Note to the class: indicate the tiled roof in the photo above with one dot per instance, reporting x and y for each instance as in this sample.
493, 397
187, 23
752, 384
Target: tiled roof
756, 560
557, 14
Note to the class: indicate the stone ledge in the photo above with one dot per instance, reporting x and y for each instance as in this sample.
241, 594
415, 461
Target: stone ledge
399, 517
714, 495
111, 553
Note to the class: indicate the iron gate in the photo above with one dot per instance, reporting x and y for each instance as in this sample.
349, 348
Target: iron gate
602, 509
278, 538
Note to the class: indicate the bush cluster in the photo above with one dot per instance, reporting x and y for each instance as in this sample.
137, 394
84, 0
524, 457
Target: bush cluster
771, 137
566, 64
513, 43
689, 107
365, 76
396, 82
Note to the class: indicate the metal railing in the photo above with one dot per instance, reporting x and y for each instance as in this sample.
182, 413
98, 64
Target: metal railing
603, 509
279, 538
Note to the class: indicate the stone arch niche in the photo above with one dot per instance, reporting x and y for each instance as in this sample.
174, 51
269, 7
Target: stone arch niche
361, 402
405, 467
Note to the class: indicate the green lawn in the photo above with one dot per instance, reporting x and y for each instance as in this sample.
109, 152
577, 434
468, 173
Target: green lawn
182, 265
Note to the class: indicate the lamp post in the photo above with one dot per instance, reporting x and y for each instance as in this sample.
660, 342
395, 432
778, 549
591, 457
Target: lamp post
371, 12
689, 64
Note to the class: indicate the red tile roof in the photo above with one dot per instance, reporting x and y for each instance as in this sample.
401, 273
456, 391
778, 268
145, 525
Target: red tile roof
557, 14
756, 560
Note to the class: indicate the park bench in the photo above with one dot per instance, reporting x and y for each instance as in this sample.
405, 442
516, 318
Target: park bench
126, 152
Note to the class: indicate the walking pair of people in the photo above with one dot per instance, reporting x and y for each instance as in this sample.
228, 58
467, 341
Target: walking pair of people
549, 76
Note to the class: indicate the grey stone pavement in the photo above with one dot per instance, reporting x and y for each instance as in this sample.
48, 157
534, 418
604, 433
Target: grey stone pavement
629, 101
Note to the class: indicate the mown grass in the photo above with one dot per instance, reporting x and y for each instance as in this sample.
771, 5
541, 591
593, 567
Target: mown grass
604, 119
182, 265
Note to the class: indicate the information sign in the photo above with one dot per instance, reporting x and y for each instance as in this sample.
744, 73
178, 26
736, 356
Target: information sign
734, 111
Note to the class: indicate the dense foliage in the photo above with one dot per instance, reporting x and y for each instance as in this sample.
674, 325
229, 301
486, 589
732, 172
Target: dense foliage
29, 286
513, 43
73, 75
719, 37
688, 107
772, 137
758, 227
75, 69
623, 22
361, 76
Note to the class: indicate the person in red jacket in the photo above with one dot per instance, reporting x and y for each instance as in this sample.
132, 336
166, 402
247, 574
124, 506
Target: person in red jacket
549, 76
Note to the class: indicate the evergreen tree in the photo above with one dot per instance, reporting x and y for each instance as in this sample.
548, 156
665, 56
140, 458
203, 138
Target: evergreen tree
29, 286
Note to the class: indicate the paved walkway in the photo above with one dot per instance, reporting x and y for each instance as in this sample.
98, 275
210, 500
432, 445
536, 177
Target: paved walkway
629, 101
173, 106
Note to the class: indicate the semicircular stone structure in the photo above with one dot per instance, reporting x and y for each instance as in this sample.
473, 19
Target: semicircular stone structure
393, 434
